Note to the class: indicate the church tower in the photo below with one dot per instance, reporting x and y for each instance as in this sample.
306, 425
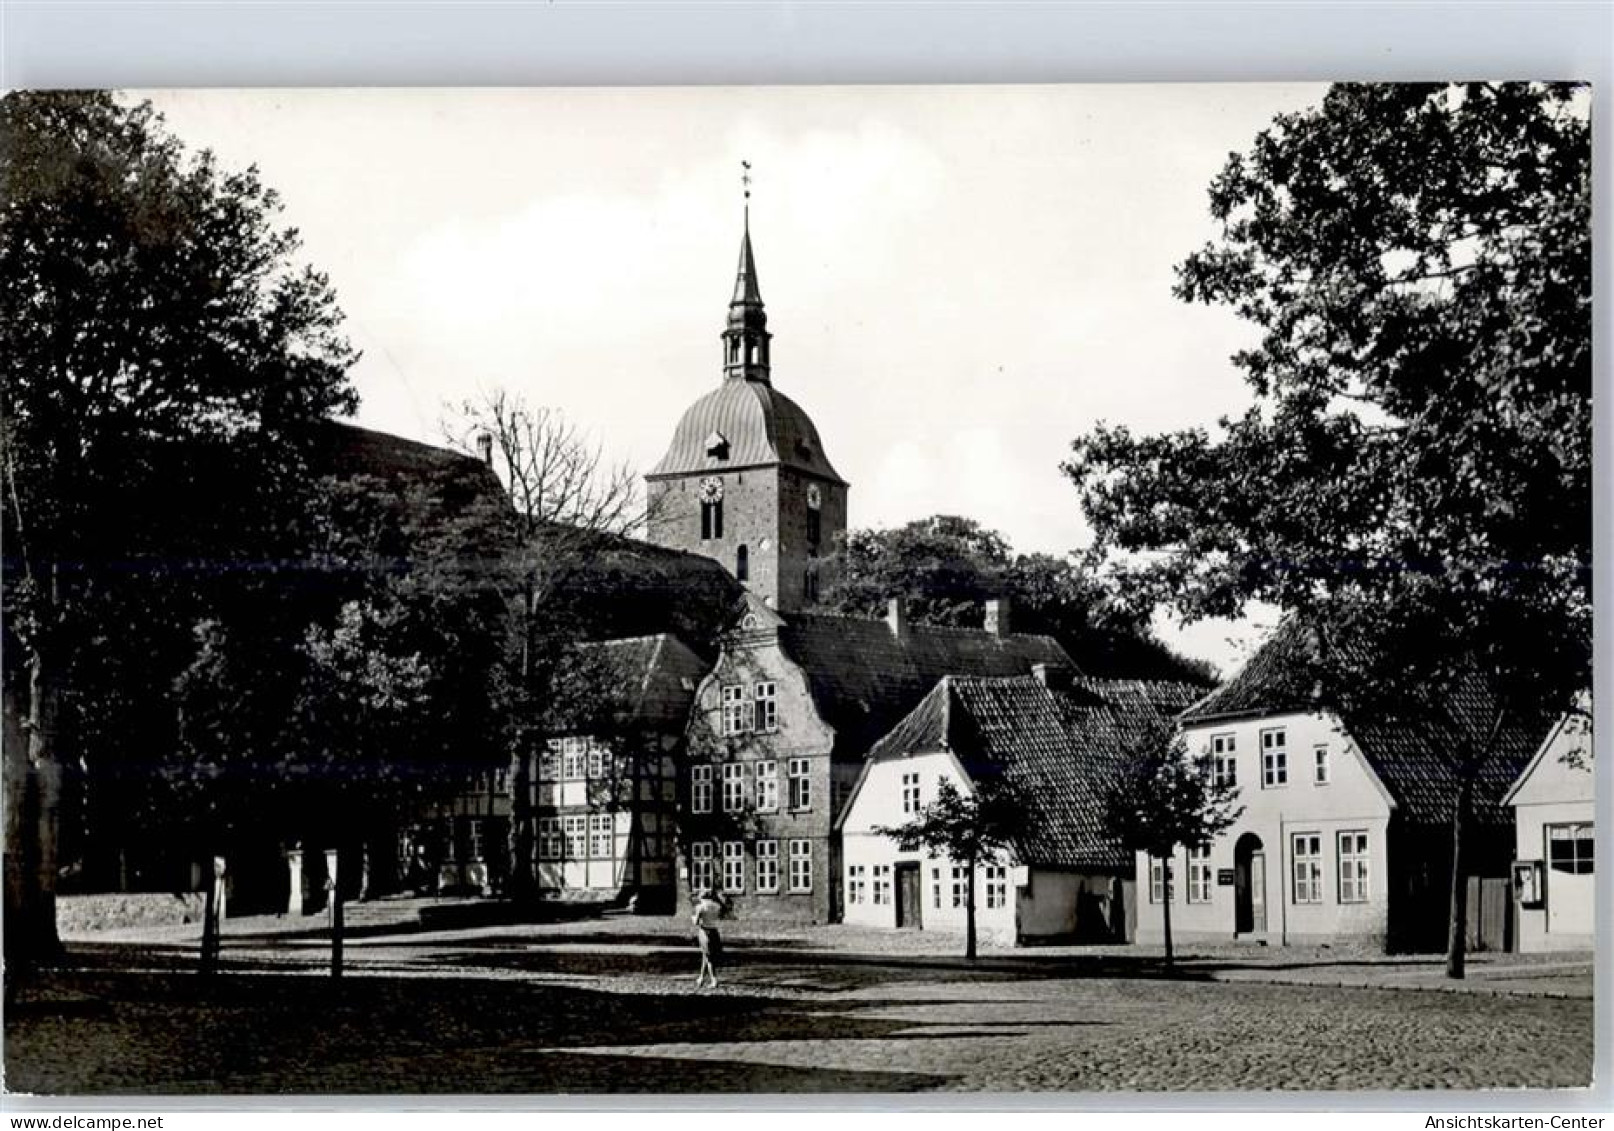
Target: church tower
746, 480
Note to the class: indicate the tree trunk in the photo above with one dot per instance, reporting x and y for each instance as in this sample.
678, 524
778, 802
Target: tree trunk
969, 912
1165, 903
1457, 928
30, 926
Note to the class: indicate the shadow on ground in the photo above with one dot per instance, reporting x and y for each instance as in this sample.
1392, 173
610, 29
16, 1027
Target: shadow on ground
107, 1032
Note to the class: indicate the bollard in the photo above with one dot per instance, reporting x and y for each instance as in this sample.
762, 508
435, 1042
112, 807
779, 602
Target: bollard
335, 900
212, 913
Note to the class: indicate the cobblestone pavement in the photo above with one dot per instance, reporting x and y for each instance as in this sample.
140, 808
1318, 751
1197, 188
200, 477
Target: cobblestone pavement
454, 1006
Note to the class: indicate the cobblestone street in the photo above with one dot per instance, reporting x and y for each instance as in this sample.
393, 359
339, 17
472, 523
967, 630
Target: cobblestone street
607, 1005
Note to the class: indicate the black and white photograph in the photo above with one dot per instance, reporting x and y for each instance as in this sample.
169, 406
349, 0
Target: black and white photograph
1057, 589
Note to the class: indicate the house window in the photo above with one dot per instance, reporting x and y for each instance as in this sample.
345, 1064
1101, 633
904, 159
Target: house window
711, 520
910, 793
882, 884
596, 759
700, 865
733, 866
576, 837
1224, 759
1353, 867
767, 706
736, 711
997, 885
600, 836
801, 786
1274, 759
1320, 769
700, 789
550, 842
768, 787
801, 865
1308, 863
575, 753
742, 564
1159, 879
473, 837
549, 761
854, 883
961, 880
1199, 875
1569, 849
768, 865
733, 787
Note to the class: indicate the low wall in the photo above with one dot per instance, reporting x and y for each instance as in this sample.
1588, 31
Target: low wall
87, 914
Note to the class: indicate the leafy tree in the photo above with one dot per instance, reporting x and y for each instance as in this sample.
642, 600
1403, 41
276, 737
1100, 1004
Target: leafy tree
947, 566
967, 828
1414, 478
1163, 801
156, 337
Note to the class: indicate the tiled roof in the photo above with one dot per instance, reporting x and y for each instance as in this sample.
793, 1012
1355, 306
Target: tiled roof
864, 678
347, 449
625, 587
761, 426
642, 681
1063, 748
1408, 754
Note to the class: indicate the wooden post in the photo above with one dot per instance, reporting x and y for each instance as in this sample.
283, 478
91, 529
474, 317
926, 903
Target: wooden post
212, 913
334, 887
296, 901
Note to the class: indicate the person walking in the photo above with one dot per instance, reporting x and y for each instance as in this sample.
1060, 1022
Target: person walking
708, 910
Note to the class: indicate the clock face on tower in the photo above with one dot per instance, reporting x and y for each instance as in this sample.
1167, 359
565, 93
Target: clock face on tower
711, 489
815, 497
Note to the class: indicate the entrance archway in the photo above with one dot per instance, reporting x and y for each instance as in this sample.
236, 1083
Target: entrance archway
1249, 886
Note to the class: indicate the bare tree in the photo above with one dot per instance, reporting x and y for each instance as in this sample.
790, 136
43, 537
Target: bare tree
567, 504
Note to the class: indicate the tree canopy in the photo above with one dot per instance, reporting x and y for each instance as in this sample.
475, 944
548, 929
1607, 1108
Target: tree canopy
165, 359
1413, 479
947, 566
1417, 259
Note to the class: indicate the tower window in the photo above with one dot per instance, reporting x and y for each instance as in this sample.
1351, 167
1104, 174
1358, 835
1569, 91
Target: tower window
711, 520
815, 528
810, 584
742, 564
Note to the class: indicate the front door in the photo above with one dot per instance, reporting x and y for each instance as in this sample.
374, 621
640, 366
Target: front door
1258, 893
908, 901
1249, 886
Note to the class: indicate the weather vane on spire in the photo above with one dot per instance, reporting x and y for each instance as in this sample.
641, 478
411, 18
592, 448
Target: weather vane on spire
745, 179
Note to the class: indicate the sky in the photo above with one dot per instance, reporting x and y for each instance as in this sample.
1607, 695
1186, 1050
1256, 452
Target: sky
959, 280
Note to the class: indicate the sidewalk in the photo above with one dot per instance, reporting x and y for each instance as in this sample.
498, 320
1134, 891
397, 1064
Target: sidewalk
384, 936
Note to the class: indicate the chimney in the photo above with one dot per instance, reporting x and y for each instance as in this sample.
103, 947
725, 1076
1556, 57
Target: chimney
896, 615
484, 447
1055, 677
997, 616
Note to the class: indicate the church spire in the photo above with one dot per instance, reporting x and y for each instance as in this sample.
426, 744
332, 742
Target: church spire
745, 341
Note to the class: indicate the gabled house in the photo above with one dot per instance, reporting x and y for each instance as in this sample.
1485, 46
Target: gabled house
1346, 832
602, 800
779, 730
1554, 881
1062, 740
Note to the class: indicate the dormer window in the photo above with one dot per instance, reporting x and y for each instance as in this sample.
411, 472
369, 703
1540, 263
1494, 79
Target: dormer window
717, 446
